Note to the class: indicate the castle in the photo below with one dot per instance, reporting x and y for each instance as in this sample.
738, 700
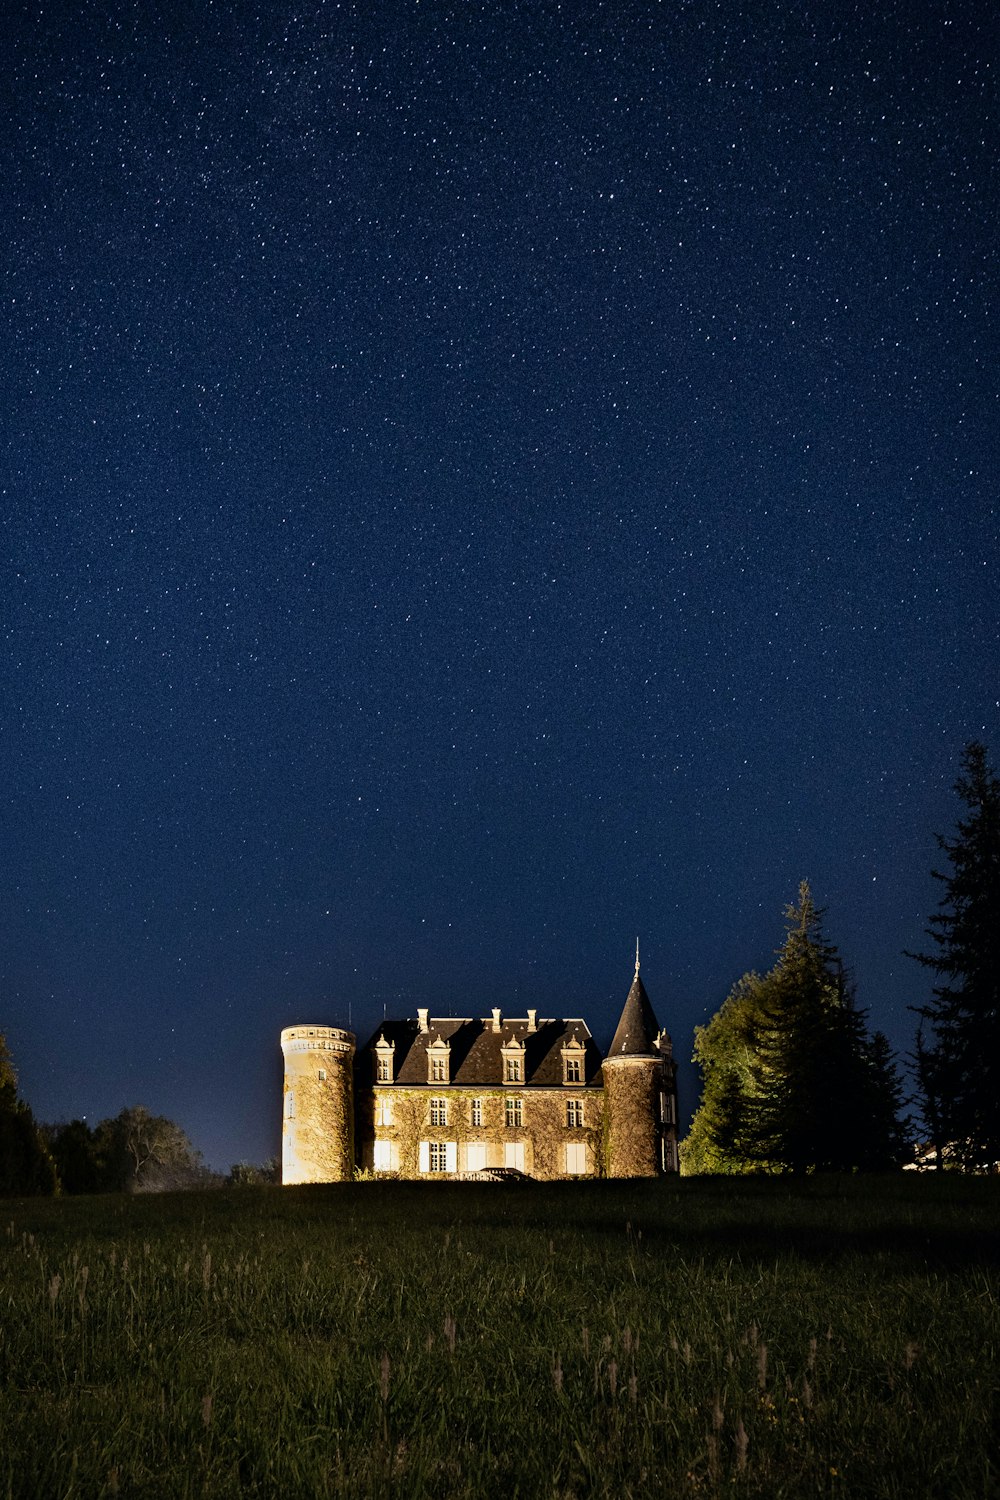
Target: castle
458, 1098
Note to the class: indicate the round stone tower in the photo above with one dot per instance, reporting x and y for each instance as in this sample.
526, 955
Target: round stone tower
317, 1126
636, 1086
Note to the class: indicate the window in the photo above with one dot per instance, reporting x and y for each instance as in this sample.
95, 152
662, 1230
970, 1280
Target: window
438, 1156
576, 1159
439, 1113
383, 1156
383, 1112
513, 1112
667, 1109
512, 1070
439, 1070
573, 1070
574, 1112
475, 1156
289, 1106
322, 1075
477, 1111
383, 1070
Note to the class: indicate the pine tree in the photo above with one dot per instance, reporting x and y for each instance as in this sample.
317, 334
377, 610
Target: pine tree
958, 1065
887, 1142
792, 1080
804, 1056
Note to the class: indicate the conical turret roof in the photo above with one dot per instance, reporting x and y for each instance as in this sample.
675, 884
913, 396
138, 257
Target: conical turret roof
638, 1027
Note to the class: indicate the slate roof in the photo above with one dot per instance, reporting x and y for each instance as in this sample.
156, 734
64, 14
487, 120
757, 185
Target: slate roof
476, 1058
638, 1027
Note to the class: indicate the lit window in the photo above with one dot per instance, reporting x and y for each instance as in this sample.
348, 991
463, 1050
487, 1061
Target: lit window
438, 1157
439, 1113
513, 1112
383, 1156
383, 1112
477, 1111
574, 1112
383, 1072
513, 1073
573, 1070
439, 1070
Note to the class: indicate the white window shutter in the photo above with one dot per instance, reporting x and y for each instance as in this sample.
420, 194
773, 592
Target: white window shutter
425, 1156
451, 1156
576, 1159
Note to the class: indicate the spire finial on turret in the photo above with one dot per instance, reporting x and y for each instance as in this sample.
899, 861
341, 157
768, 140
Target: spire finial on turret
637, 955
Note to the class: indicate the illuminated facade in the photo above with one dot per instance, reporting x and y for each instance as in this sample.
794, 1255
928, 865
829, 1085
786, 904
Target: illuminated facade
435, 1097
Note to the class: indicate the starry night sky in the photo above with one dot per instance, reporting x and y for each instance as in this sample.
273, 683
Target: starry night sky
479, 482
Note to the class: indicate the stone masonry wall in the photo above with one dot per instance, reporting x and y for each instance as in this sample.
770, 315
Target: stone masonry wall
632, 1087
318, 1112
544, 1131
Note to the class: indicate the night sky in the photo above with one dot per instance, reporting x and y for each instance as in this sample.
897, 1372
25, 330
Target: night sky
479, 482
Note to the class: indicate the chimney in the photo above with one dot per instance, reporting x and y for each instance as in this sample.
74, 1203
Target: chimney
532, 1020
422, 1020
496, 1018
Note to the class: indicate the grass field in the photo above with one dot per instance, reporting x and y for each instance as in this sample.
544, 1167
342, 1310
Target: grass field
698, 1337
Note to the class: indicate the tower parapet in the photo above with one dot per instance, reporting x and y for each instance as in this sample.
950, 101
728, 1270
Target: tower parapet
317, 1126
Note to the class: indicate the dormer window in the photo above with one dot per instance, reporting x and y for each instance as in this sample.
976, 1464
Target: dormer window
439, 1061
512, 1053
573, 1054
384, 1060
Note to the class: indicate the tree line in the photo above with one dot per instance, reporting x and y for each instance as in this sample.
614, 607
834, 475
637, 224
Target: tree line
792, 1078
794, 1081
135, 1151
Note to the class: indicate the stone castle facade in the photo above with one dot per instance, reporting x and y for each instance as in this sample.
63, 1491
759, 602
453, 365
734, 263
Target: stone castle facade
456, 1098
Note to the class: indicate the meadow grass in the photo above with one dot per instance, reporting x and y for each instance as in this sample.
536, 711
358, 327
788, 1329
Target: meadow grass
832, 1337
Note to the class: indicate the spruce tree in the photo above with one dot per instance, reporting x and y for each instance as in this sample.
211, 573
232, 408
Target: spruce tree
805, 1057
958, 1044
887, 1143
792, 1080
